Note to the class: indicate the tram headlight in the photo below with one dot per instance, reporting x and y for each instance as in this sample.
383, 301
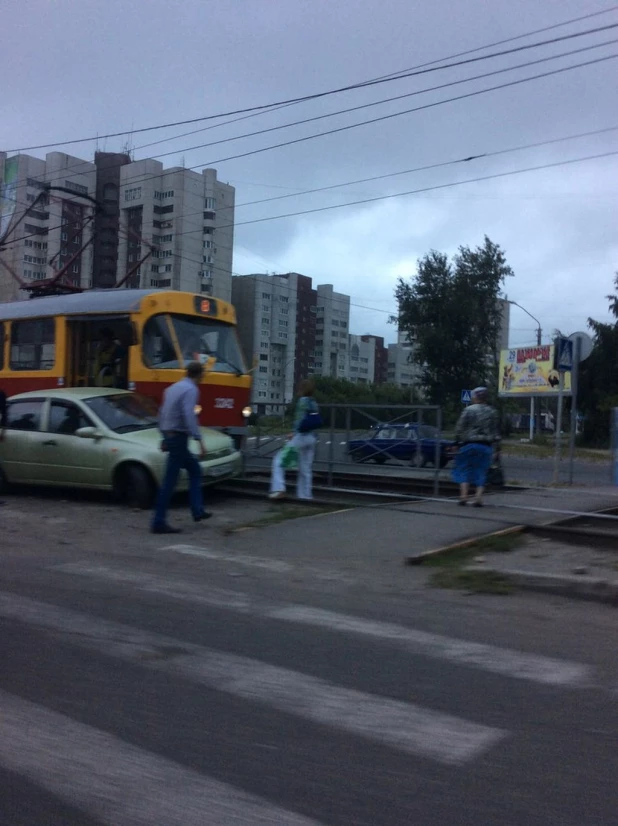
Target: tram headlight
247, 411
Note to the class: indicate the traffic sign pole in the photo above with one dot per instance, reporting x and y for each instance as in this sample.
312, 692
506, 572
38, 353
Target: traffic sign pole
574, 382
558, 429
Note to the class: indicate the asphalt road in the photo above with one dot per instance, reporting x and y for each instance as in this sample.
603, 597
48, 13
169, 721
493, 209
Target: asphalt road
165, 680
523, 470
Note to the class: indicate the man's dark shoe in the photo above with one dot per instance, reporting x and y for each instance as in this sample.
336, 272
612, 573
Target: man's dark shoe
164, 529
201, 516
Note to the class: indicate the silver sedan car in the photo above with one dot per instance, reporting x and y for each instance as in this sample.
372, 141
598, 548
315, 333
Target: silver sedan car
104, 439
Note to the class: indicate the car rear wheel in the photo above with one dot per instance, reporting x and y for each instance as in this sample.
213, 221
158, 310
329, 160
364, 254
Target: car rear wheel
136, 487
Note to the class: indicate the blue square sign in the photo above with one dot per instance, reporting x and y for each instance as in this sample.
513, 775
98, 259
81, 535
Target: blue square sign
564, 354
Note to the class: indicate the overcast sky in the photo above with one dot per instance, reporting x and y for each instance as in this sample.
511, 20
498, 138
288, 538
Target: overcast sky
81, 68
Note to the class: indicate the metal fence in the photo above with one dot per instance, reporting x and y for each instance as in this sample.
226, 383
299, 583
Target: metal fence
349, 442
398, 440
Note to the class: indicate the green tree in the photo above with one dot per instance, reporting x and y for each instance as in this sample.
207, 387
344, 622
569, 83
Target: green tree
450, 310
598, 378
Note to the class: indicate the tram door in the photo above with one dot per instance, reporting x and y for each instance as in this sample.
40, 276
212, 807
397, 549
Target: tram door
78, 356
98, 351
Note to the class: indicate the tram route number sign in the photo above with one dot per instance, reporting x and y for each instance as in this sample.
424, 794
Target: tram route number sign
205, 306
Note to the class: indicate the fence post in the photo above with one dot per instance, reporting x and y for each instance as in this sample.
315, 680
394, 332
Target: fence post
331, 450
437, 454
348, 428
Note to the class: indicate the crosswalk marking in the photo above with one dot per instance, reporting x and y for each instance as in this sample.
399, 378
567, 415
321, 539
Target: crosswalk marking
118, 783
404, 726
504, 661
277, 566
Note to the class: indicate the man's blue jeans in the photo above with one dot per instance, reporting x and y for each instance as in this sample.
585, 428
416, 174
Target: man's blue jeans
179, 456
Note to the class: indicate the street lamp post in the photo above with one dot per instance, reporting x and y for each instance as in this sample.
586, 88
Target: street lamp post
539, 337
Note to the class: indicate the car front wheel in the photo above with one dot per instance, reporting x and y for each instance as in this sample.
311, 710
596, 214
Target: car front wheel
136, 487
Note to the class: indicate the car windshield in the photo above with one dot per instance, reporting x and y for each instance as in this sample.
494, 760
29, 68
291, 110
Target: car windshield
172, 339
125, 412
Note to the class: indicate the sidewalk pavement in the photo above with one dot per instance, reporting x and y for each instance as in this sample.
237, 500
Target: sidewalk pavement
371, 544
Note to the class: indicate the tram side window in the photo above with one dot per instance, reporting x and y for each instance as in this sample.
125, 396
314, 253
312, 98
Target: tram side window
33, 345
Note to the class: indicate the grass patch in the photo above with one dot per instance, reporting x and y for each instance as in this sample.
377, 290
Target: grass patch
282, 513
546, 451
503, 543
451, 566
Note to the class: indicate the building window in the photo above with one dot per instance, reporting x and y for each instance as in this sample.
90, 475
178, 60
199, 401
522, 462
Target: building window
263, 356
284, 299
207, 245
161, 196
81, 190
210, 203
75, 268
167, 268
133, 194
209, 216
266, 295
33, 344
159, 210
263, 369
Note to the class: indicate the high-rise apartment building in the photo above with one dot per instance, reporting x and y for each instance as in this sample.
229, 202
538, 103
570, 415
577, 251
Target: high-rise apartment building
186, 217
368, 359
55, 231
275, 325
107, 220
189, 218
331, 333
402, 370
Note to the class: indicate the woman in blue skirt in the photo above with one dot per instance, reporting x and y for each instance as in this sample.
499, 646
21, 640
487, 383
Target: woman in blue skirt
477, 431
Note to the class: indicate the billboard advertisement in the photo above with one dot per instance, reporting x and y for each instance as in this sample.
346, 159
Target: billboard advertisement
8, 194
529, 371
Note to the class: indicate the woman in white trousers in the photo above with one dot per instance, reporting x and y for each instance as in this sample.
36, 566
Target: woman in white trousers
305, 445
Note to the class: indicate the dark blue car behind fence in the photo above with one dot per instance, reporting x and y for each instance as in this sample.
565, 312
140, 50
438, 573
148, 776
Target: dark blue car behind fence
413, 444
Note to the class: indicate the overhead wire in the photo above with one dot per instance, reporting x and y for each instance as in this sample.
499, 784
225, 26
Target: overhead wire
301, 99
144, 177
463, 160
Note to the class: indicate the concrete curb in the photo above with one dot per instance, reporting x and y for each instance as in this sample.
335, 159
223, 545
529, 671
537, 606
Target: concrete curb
575, 587
418, 559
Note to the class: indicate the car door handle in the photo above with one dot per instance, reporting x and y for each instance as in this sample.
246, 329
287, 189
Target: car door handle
50, 442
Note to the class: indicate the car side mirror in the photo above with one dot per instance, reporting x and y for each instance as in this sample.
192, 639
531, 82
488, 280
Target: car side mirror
88, 433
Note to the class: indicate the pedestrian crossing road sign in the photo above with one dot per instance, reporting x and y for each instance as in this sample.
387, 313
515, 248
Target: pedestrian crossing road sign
466, 397
564, 354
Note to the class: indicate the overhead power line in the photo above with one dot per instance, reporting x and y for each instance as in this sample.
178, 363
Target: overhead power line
142, 178
382, 118
302, 99
452, 162
426, 189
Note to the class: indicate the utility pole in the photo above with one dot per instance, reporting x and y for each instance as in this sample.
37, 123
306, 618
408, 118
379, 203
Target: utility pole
539, 339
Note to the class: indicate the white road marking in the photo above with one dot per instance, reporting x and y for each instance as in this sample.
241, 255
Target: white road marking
118, 783
404, 726
238, 559
491, 658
